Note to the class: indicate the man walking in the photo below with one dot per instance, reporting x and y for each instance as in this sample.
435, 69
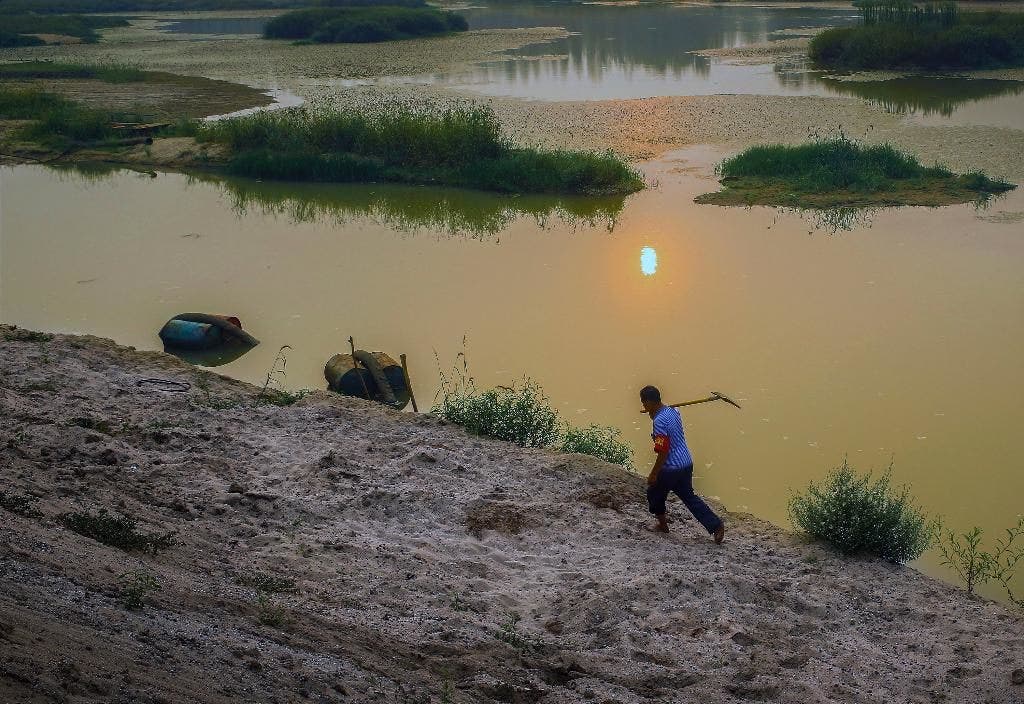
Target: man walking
673, 469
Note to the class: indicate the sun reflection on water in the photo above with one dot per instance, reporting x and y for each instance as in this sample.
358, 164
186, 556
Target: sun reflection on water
648, 261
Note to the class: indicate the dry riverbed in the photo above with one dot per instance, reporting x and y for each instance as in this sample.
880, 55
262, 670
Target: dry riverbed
422, 564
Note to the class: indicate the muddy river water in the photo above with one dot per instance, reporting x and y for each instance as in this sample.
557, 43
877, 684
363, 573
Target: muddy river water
886, 337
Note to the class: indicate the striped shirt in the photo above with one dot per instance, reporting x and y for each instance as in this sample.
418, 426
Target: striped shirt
668, 435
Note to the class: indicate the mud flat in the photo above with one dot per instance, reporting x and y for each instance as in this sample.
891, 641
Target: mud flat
415, 563
369, 76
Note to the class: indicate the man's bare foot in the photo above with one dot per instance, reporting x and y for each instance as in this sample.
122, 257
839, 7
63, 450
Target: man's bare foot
719, 534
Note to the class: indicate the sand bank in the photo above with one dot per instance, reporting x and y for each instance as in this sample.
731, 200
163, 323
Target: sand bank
411, 545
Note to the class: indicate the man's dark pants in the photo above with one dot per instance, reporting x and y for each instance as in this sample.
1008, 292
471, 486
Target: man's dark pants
681, 482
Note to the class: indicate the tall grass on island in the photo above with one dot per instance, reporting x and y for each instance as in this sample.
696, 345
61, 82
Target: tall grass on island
837, 171
31, 70
20, 29
897, 34
57, 7
56, 122
457, 147
356, 24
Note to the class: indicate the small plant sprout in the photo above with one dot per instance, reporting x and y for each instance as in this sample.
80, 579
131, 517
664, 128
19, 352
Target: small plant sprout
976, 566
510, 634
135, 585
270, 392
268, 612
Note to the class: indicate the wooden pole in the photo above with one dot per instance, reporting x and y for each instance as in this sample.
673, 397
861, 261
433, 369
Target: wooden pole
355, 366
408, 383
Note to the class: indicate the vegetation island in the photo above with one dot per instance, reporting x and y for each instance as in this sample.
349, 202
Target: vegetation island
898, 34
840, 172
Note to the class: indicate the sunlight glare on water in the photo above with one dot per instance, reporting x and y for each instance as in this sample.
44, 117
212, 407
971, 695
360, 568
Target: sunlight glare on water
648, 261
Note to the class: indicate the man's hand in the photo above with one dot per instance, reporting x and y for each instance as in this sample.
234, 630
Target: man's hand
652, 479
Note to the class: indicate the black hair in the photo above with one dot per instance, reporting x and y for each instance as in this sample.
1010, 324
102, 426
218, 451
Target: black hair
650, 394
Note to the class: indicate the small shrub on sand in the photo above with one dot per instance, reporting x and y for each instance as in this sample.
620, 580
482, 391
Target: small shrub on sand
509, 633
135, 585
598, 441
522, 414
116, 531
857, 515
23, 505
266, 583
519, 414
19, 334
976, 566
269, 612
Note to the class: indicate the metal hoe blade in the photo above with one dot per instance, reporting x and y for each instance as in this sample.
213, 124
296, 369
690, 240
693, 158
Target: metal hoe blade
723, 397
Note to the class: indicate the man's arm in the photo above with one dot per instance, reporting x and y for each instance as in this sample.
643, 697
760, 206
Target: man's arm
661, 446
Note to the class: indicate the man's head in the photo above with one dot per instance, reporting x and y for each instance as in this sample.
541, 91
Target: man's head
650, 397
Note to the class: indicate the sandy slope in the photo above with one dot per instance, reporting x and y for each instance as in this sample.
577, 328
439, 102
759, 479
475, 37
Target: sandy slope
411, 544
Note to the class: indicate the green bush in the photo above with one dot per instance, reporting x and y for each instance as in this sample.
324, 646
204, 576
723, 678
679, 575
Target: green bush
519, 414
598, 441
355, 24
840, 163
827, 164
857, 515
116, 531
522, 414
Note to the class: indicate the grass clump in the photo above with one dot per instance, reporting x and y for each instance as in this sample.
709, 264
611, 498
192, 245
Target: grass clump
458, 147
859, 516
358, 24
20, 334
598, 441
135, 585
23, 505
116, 531
57, 122
25, 70
522, 414
518, 414
266, 583
838, 171
899, 34
24, 25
